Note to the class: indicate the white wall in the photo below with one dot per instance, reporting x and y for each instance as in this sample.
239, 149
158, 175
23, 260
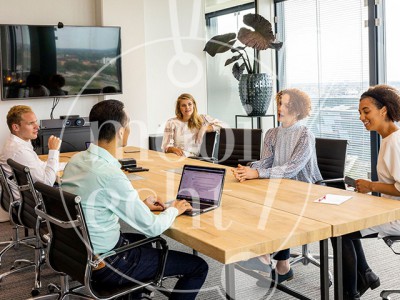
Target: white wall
47, 12
155, 34
175, 60
162, 43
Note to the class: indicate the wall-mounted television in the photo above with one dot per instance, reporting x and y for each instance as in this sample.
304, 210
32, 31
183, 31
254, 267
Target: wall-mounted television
59, 61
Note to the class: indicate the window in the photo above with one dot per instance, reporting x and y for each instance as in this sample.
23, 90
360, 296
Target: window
222, 88
325, 54
392, 8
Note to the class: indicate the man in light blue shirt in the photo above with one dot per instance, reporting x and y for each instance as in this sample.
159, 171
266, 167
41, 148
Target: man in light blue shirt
107, 196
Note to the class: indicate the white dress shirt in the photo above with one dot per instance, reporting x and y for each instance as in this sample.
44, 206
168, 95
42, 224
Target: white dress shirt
22, 152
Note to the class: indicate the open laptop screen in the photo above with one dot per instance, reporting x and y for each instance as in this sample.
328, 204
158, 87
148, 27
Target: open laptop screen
201, 183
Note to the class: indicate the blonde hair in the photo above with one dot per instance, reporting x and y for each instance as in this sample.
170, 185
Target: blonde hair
15, 113
195, 120
299, 102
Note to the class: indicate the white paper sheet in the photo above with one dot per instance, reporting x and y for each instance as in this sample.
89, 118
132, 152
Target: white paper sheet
332, 199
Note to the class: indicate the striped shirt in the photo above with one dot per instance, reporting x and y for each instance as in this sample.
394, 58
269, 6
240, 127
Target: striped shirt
289, 153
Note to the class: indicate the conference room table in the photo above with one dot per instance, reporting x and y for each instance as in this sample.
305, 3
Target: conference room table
261, 216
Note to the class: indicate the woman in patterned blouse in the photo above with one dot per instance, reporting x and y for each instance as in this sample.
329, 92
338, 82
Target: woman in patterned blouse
288, 152
184, 133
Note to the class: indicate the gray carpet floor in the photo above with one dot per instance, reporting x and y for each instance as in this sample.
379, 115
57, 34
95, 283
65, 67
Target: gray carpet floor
381, 259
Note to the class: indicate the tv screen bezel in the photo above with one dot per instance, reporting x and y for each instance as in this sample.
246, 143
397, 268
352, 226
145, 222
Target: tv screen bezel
82, 93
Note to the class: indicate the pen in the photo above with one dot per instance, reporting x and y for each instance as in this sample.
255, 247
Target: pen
322, 198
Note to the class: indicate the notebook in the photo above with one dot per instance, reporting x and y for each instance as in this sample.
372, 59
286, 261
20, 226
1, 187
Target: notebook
201, 187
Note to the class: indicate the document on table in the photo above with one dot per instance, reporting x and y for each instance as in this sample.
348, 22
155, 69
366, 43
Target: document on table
332, 199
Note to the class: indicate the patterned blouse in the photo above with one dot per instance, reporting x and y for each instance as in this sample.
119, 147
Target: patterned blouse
289, 153
178, 134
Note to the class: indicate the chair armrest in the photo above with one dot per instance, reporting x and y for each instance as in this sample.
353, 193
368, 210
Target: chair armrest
207, 159
390, 240
131, 246
158, 239
63, 224
330, 180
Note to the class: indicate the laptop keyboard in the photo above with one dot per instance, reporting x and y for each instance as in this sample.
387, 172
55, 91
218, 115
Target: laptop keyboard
200, 206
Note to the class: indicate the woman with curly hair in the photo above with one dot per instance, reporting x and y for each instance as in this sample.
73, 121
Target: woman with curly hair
379, 108
288, 152
184, 133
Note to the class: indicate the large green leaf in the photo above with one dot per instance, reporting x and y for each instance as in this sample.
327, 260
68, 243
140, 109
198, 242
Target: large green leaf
220, 43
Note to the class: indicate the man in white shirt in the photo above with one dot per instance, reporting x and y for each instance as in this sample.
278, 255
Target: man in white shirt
23, 125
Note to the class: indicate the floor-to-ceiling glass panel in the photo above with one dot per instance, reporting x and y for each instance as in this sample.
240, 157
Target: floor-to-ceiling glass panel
325, 53
222, 88
392, 25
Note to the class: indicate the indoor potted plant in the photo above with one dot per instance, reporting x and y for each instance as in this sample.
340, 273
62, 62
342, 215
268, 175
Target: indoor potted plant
255, 88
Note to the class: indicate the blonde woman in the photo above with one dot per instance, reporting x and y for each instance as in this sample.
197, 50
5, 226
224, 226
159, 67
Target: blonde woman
184, 133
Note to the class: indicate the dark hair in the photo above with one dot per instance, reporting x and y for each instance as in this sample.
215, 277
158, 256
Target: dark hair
299, 102
57, 80
385, 95
110, 117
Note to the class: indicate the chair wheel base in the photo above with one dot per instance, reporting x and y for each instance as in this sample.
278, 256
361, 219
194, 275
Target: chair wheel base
385, 294
51, 288
35, 292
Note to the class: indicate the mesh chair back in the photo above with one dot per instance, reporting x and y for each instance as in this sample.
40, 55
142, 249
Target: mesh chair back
331, 157
28, 200
239, 146
69, 248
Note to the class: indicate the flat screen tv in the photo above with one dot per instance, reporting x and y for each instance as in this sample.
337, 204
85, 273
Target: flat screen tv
59, 61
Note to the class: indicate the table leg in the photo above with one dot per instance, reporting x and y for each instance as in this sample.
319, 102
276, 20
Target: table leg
337, 267
230, 281
324, 269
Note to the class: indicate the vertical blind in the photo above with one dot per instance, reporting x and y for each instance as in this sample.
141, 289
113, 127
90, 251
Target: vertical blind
392, 23
325, 54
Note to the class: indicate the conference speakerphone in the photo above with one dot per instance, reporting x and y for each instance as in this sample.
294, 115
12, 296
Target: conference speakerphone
75, 133
71, 121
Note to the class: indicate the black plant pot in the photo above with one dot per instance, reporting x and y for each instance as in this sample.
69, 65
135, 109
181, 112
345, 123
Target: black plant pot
255, 91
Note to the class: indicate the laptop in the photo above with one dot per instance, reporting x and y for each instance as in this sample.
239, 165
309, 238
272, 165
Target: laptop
201, 187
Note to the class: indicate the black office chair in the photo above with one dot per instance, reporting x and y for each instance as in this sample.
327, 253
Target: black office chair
27, 215
8, 203
331, 157
209, 147
70, 251
391, 241
155, 142
238, 146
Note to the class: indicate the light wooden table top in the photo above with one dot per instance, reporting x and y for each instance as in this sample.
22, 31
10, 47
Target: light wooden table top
295, 197
246, 203
238, 230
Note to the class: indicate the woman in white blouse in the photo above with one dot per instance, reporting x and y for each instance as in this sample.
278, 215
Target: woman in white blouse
379, 110
184, 133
